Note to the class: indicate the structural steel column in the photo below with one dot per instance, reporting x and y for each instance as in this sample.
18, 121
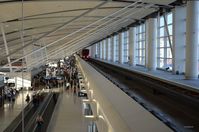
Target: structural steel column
192, 27
6, 46
132, 44
152, 42
112, 49
120, 48
107, 49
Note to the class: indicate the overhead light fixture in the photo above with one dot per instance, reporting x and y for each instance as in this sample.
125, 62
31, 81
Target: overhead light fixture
86, 100
90, 116
94, 118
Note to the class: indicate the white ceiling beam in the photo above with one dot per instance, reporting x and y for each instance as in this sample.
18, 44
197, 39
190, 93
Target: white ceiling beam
57, 52
107, 26
80, 39
87, 33
110, 28
57, 28
86, 36
78, 30
6, 46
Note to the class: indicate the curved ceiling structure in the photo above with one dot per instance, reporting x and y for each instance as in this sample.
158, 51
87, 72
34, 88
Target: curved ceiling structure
37, 30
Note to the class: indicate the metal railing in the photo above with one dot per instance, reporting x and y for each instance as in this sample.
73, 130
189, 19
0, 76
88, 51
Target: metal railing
45, 112
32, 121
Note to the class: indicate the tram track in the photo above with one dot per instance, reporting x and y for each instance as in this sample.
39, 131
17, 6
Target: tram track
176, 107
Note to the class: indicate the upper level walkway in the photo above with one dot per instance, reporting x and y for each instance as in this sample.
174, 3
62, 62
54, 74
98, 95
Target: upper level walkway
68, 115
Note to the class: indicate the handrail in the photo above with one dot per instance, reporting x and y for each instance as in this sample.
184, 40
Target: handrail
32, 121
45, 108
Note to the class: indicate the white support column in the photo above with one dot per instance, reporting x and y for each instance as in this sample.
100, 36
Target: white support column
104, 41
120, 48
132, 44
95, 54
107, 49
192, 28
179, 39
102, 49
112, 49
6, 46
98, 49
152, 42
24, 50
93, 50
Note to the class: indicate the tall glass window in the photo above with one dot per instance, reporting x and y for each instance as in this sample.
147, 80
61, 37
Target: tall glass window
164, 56
109, 49
125, 47
140, 44
116, 48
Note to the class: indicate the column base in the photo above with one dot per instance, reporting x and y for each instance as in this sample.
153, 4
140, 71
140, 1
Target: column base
151, 69
191, 78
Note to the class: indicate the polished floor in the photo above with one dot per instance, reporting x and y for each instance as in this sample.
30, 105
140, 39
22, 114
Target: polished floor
68, 114
11, 109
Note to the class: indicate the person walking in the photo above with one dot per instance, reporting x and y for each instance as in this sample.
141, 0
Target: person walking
40, 123
27, 98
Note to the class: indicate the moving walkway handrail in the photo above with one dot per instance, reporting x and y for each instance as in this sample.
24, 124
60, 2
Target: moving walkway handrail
43, 112
31, 123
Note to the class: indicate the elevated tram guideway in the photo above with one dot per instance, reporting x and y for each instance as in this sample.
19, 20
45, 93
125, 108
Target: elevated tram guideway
171, 102
113, 110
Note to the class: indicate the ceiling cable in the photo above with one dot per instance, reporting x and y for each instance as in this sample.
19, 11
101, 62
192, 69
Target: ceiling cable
22, 40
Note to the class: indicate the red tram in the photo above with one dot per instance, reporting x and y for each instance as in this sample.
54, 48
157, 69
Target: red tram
85, 54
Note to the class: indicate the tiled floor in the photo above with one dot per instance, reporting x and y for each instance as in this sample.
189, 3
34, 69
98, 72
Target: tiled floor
67, 116
11, 109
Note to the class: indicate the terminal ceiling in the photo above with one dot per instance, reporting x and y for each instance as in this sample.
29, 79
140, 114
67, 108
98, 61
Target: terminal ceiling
60, 27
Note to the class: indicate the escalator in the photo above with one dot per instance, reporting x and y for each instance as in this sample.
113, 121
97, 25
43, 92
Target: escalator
31, 111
